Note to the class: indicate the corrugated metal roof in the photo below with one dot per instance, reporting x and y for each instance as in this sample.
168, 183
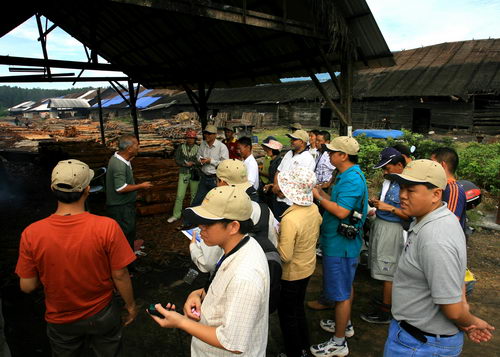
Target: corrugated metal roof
456, 68
68, 103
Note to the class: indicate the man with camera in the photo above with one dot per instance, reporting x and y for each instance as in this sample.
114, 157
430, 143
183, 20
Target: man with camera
340, 241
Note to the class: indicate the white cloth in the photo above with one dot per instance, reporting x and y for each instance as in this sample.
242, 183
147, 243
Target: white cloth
127, 162
324, 168
217, 152
205, 257
252, 171
237, 304
385, 187
290, 161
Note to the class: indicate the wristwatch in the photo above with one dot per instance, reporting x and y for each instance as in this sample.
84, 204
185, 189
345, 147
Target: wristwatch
319, 199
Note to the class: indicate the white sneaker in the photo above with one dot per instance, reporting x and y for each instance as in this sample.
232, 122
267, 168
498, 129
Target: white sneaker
319, 252
330, 349
329, 326
172, 219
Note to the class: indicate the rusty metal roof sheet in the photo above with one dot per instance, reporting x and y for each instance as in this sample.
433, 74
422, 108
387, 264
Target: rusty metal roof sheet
455, 68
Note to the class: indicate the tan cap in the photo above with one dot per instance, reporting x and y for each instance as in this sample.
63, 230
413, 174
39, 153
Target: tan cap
346, 144
300, 135
422, 171
71, 176
224, 202
210, 129
233, 172
296, 126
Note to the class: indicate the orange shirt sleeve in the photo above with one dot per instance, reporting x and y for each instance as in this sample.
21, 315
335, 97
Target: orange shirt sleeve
26, 267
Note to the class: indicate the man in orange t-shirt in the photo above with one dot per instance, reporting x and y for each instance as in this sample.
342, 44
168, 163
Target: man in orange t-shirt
79, 258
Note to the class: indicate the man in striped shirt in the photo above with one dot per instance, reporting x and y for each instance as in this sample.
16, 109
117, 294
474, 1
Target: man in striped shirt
454, 194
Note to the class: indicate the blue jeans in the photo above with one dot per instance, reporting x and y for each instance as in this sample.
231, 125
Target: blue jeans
401, 343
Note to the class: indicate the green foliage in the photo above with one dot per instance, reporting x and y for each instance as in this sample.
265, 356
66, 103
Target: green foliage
479, 163
3, 111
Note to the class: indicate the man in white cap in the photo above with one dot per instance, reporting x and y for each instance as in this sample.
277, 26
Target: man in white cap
299, 155
340, 240
210, 154
428, 296
80, 259
230, 315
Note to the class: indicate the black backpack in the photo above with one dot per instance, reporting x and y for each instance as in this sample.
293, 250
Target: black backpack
260, 234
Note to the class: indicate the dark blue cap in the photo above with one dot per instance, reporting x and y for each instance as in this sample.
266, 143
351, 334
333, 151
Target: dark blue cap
386, 157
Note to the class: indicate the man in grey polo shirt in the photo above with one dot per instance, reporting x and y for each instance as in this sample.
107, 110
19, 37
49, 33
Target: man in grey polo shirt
428, 296
210, 154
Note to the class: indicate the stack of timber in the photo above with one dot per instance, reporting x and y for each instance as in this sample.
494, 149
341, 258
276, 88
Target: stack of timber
163, 174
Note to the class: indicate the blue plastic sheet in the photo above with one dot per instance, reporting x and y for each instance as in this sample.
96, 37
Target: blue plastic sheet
378, 133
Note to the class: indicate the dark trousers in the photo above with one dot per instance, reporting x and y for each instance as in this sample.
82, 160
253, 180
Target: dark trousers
101, 332
124, 215
293, 316
206, 184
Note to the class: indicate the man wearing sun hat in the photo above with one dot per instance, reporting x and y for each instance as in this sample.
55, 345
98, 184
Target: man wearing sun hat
79, 258
340, 241
429, 306
298, 156
299, 232
230, 315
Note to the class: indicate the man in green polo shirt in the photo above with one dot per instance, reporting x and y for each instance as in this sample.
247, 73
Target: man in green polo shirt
121, 190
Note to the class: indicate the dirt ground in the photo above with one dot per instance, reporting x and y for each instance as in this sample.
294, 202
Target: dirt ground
166, 264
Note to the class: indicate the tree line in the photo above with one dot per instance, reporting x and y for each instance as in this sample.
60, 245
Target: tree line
11, 96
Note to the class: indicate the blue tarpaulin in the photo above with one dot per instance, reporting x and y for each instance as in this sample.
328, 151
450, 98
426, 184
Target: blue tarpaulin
379, 133
145, 101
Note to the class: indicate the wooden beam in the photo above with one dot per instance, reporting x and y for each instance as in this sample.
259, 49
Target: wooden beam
42, 79
119, 92
133, 108
327, 97
101, 118
43, 43
222, 12
25, 61
330, 70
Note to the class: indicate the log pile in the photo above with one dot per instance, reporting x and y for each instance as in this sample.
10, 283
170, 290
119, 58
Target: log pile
163, 174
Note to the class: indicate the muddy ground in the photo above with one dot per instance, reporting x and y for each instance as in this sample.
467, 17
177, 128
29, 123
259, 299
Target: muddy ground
166, 263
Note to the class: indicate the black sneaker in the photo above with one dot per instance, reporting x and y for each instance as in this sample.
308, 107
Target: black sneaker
377, 317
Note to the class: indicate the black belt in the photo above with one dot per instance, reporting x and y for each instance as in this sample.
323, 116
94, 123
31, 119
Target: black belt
418, 333
209, 176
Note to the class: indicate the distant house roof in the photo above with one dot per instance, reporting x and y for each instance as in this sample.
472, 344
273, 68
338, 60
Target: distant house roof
456, 68
21, 107
64, 103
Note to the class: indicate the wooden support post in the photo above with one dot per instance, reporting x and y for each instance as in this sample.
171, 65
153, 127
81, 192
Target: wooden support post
101, 119
202, 105
346, 79
133, 108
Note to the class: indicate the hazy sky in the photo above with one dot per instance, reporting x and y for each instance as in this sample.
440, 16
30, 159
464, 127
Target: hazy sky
404, 24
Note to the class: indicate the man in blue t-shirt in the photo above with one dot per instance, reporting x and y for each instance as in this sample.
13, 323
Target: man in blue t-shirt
341, 240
